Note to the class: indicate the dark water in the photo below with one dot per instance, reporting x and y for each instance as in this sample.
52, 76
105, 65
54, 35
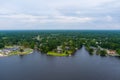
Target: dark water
82, 66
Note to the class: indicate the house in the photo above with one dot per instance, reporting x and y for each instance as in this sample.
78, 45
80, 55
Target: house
0, 51
111, 51
93, 47
59, 49
67, 47
7, 51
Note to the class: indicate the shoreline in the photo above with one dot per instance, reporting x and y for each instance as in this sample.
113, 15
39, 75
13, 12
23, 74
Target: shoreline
26, 52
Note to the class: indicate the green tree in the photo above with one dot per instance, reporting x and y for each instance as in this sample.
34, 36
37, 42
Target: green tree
118, 51
2, 45
103, 53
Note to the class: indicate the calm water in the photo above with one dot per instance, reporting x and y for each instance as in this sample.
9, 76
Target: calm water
82, 66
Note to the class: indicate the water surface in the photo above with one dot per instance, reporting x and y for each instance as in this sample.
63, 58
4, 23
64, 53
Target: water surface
81, 66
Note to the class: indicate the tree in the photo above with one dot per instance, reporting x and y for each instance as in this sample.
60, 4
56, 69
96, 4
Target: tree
21, 50
90, 50
32, 45
118, 51
2, 45
103, 53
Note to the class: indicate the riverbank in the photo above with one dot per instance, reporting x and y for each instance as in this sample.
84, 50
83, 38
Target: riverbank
52, 53
25, 52
101, 51
10, 52
56, 54
1, 55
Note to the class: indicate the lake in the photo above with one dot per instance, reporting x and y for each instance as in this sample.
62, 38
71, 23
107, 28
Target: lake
81, 66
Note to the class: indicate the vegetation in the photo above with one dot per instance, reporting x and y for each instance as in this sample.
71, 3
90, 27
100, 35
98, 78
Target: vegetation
103, 53
91, 50
21, 52
2, 45
56, 54
48, 41
64, 53
118, 51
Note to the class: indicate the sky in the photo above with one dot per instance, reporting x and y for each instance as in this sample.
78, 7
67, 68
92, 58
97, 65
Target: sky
60, 14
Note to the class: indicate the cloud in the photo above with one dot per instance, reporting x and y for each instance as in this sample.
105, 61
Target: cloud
88, 14
71, 19
109, 18
18, 16
47, 19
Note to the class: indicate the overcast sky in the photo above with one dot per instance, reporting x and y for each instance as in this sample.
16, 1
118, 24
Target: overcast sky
59, 14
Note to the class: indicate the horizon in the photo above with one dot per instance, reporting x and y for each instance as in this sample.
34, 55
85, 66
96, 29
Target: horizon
61, 30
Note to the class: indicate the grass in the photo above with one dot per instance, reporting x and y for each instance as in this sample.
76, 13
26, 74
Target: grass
8, 46
26, 51
52, 53
69, 52
56, 54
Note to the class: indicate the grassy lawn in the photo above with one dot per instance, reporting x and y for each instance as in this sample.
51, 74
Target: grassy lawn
56, 54
69, 52
26, 51
8, 46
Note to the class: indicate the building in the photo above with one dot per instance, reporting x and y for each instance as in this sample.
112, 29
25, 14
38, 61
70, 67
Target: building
67, 47
111, 51
7, 51
59, 49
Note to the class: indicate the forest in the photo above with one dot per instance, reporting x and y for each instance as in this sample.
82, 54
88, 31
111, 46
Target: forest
65, 42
